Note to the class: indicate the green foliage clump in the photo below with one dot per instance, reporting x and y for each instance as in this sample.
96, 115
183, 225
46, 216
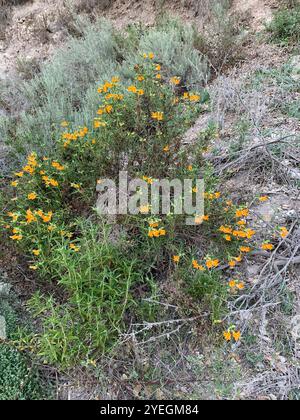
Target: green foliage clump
18, 381
285, 26
174, 46
98, 279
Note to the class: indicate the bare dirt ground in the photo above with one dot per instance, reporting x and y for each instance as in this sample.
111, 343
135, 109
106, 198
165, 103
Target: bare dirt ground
37, 29
258, 11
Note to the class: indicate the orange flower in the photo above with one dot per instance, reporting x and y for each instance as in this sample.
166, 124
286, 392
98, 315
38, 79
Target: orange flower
16, 237
232, 284
148, 180
267, 247
241, 286
140, 78
14, 183
226, 229
198, 220
242, 213
166, 149
36, 252
53, 183
176, 259
245, 249
151, 56
58, 166
144, 209
228, 238
159, 116
74, 247
33, 267
212, 263
195, 263
227, 335
201, 219
158, 67
156, 233
198, 266
132, 89
19, 174
47, 217
14, 216
236, 335
153, 224
29, 169
175, 81
263, 198
284, 232
195, 98
250, 233
239, 233
105, 88
31, 161
232, 264
98, 124
32, 196
108, 109
30, 217
158, 76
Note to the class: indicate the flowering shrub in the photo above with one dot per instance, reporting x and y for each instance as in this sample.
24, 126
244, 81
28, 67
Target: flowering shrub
137, 128
65, 87
133, 127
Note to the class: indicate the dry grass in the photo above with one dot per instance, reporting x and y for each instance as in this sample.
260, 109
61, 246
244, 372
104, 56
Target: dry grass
6, 14
222, 38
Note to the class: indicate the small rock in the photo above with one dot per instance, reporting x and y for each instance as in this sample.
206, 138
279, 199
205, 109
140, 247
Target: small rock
4, 289
2, 328
291, 215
